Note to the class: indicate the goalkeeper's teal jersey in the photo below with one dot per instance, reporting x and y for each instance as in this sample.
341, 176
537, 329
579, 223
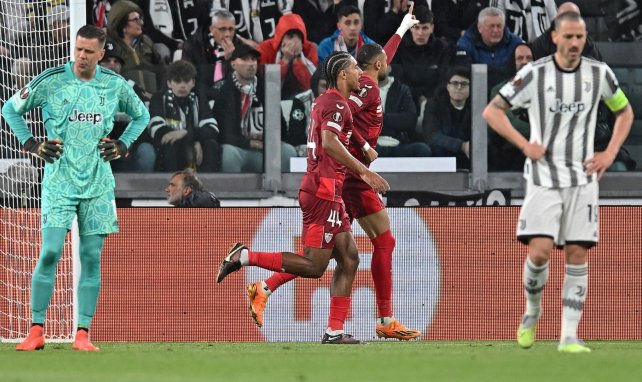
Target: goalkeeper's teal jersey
80, 114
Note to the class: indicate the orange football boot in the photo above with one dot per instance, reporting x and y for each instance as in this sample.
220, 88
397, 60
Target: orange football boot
82, 342
35, 340
397, 330
258, 299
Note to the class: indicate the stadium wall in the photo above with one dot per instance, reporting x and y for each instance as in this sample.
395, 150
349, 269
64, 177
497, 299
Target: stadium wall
457, 276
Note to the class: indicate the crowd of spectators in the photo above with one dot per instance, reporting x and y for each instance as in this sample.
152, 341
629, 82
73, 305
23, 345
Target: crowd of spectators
199, 66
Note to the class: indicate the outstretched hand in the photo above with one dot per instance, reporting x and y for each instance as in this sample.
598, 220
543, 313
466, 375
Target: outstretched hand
409, 21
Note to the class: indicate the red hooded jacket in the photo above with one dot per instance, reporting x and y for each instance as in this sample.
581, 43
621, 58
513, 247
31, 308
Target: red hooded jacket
270, 47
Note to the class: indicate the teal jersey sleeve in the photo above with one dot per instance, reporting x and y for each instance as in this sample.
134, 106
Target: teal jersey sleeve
26, 99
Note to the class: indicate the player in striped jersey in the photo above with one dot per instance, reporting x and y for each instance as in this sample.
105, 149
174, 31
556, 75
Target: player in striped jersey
78, 102
561, 93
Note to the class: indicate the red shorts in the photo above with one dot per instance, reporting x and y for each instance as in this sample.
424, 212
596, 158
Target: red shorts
360, 199
322, 221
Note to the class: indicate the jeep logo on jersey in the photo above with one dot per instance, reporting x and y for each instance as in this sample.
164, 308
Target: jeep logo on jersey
94, 118
561, 107
298, 310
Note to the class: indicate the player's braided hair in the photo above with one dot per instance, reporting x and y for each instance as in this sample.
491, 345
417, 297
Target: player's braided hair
367, 54
335, 62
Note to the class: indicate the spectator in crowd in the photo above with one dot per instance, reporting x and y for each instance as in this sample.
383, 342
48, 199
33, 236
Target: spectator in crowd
256, 20
210, 50
503, 155
186, 190
58, 23
239, 112
319, 16
143, 63
142, 156
381, 25
489, 42
181, 126
291, 49
525, 18
169, 25
296, 126
544, 46
623, 19
447, 119
454, 17
422, 59
348, 37
399, 137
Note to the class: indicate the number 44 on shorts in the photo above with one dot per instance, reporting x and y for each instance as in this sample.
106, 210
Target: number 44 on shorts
334, 218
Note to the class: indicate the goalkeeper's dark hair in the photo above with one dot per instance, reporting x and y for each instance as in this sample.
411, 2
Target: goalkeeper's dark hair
367, 54
190, 180
90, 32
335, 63
181, 70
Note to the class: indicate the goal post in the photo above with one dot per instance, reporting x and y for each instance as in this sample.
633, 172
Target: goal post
34, 36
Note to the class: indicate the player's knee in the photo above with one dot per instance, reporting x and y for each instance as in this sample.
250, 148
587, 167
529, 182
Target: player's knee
538, 256
49, 257
350, 261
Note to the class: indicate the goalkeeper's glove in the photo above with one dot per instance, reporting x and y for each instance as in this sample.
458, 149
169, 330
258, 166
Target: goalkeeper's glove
48, 150
112, 149
408, 22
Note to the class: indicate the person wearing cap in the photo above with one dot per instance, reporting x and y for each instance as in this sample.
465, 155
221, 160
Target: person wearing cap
239, 112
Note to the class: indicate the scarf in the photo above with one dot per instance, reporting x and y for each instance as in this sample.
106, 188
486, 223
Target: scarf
180, 113
308, 64
340, 45
249, 100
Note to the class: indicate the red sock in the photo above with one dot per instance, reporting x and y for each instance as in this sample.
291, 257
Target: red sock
339, 307
278, 279
381, 268
272, 261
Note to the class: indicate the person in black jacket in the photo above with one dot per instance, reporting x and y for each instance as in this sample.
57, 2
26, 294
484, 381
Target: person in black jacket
543, 45
453, 17
399, 137
182, 127
240, 115
210, 50
422, 59
447, 119
186, 190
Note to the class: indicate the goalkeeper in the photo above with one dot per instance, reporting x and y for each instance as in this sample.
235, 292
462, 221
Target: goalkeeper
78, 102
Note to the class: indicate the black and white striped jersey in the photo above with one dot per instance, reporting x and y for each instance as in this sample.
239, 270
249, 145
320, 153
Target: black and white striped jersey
562, 108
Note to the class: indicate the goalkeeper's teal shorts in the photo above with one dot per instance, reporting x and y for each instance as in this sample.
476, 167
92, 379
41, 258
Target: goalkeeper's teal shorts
96, 216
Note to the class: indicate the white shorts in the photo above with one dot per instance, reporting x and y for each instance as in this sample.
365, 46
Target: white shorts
567, 215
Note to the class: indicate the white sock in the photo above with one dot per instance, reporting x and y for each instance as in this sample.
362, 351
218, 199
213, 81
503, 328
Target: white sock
245, 257
534, 279
333, 332
573, 297
267, 290
383, 321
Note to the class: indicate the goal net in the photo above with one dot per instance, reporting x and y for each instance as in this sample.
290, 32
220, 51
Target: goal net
34, 35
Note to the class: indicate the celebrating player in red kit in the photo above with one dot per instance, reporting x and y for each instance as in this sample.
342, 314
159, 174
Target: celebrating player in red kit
362, 202
326, 227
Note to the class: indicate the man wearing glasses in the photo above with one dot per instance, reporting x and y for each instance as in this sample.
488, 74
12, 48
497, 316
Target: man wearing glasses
210, 50
142, 62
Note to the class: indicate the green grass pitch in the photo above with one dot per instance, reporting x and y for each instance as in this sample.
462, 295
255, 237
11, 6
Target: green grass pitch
377, 361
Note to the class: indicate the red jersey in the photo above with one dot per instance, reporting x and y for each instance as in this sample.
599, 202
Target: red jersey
367, 112
324, 176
